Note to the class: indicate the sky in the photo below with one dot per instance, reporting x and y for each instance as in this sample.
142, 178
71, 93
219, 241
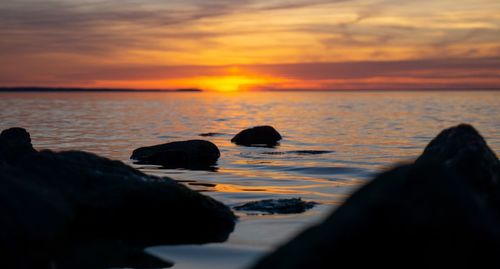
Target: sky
229, 45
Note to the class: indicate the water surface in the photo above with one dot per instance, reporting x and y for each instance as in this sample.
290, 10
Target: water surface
333, 143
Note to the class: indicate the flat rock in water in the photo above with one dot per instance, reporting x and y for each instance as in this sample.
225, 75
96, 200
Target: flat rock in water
442, 211
48, 198
257, 136
277, 206
211, 134
181, 154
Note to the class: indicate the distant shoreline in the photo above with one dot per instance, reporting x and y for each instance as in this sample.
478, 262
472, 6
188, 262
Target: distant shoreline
69, 90
64, 89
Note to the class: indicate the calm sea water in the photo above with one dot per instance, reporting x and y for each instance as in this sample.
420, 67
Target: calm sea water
361, 134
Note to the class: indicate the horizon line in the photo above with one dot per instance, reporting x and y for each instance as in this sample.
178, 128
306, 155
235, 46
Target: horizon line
100, 89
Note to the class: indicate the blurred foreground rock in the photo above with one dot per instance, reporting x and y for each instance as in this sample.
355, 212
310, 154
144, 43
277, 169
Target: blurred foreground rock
257, 136
442, 211
54, 204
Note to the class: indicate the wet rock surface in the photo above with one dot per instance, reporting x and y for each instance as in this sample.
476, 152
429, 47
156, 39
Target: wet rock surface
181, 154
55, 202
443, 210
277, 206
257, 136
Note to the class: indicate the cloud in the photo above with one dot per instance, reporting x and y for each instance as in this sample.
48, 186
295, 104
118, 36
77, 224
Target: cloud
320, 40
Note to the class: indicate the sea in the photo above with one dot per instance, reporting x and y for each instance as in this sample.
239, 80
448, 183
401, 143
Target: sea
333, 143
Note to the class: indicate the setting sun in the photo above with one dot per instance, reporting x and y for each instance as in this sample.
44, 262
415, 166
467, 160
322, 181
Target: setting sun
230, 83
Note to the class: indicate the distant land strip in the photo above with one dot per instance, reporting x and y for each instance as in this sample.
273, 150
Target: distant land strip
64, 89
76, 89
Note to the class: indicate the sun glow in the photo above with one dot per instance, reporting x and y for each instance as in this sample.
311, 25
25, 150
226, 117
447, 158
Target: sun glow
230, 83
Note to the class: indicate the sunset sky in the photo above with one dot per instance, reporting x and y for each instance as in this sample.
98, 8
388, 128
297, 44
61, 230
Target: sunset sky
251, 44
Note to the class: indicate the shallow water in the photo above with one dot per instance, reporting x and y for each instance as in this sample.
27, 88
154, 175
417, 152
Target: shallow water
333, 143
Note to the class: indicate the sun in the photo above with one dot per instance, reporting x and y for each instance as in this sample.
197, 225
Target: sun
229, 83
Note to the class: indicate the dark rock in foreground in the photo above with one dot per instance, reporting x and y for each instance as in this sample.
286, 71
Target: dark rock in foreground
14, 142
51, 202
34, 220
257, 136
277, 206
88, 254
182, 154
443, 211
115, 201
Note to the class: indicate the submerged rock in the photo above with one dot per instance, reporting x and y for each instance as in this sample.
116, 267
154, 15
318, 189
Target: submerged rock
49, 198
211, 134
257, 136
277, 206
182, 154
441, 211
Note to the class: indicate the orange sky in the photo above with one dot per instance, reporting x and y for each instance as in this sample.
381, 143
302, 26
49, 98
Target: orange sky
228, 45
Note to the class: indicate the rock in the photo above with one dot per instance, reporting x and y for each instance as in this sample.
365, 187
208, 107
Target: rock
182, 154
14, 142
462, 149
117, 202
277, 206
49, 198
257, 136
34, 220
211, 134
441, 211
106, 254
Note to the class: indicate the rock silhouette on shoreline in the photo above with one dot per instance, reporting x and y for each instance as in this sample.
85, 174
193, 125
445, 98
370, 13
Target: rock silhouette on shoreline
53, 203
182, 154
257, 136
442, 211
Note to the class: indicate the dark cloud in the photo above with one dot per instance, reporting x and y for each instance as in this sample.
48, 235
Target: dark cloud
443, 68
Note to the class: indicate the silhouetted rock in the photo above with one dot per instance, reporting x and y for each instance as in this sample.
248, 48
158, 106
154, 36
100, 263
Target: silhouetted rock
464, 150
277, 206
34, 220
115, 201
182, 154
257, 136
91, 254
441, 211
49, 198
14, 142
